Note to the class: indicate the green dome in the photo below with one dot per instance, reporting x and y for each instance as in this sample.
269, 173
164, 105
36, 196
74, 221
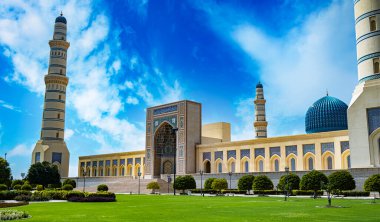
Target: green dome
326, 114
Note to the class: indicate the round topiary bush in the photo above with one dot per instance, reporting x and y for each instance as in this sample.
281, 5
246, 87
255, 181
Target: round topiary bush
39, 187
372, 183
153, 186
262, 182
3, 187
17, 187
102, 187
17, 182
341, 180
26, 187
70, 181
219, 184
289, 182
246, 182
184, 183
208, 183
67, 187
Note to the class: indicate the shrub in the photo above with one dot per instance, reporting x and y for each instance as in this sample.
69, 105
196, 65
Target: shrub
71, 182
219, 184
314, 180
75, 194
17, 182
5, 205
67, 187
268, 192
153, 186
210, 191
208, 183
94, 197
184, 182
262, 182
246, 182
289, 182
26, 187
355, 193
23, 197
307, 192
17, 187
341, 180
55, 185
39, 187
10, 195
40, 196
102, 187
3, 187
12, 215
234, 191
372, 183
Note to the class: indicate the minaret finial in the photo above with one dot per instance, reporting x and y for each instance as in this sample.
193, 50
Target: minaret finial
327, 92
61, 13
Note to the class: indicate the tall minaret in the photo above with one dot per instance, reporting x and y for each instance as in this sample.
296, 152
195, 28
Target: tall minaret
51, 147
364, 110
260, 123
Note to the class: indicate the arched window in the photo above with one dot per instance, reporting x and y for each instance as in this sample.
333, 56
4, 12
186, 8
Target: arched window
122, 171
311, 163
329, 163
376, 66
233, 167
59, 116
372, 21
276, 166
207, 167
219, 167
246, 166
348, 162
261, 166
293, 164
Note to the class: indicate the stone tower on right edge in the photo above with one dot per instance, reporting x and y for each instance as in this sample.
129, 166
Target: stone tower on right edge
260, 123
364, 109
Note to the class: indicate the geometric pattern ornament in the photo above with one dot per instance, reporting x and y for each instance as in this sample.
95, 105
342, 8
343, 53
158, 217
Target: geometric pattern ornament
373, 119
122, 162
275, 151
138, 161
165, 110
308, 148
130, 161
259, 152
108, 162
291, 149
219, 155
114, 162
206, 156
101, 163
231, 153
245, 153
344, 145
94, 163
327, 147
172, 120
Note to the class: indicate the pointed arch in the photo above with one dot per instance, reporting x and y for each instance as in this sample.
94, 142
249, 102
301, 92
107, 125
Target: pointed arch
275, 163
206, 166
219, 166
244, 165
328, 160
259, 164
231, 163
346, 161
291, 162
309, 161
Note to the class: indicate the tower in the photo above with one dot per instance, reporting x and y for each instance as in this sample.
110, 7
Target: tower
364, 109
51, 146
260, 123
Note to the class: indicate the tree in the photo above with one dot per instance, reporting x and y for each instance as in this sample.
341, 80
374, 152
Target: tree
5, 172
219, 184
289, 182
314, 180
246, 182
208, 183
372, 183
262, 182
341, 180
43, 173
153, 186
184, 182
17, 182
71, 182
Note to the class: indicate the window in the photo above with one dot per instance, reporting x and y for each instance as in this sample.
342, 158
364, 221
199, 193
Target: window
57, 157
219, 167
233, 167
329, 163
311, 163
122, 171
276, 166
57, 135
261, 166
37, 157
376, 67
59, 116
60, 71
348, 162
372, 22
246, 166
293, 164
59, 97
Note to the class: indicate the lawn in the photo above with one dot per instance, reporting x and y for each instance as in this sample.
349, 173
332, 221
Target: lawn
196, 208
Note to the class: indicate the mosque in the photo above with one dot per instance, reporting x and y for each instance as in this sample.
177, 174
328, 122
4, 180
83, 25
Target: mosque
338, 136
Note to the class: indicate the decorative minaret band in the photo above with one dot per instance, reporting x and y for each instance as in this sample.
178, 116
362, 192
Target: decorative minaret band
260, 123
51, 147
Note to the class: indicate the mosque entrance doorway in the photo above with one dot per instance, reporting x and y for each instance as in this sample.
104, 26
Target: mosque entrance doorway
164, 149
207, 168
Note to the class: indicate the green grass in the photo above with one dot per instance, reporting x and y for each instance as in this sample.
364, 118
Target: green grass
195, 208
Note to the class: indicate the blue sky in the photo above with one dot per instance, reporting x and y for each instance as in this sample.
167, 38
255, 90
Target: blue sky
129, 55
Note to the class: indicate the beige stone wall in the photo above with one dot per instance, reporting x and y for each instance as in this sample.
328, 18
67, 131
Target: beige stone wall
216, 132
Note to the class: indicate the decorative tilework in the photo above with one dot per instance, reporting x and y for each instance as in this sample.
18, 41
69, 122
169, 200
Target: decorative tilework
181, 137
165, 110
180, 151
149, 128
148, 154
327, 147
114, 162
306, 148
275, 151
206, 156
259, 152
219, 155
130, 161
138, 161
373, 119
94, 163
81, 164
101, 163
180, 165
108, 162
122, 162
291, 149
172, 120
231, 153
88, 163
246, 153
344, 145
181, 122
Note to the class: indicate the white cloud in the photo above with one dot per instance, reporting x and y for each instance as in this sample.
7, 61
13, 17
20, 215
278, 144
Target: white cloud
68, 134
20, 150
132, 100
9, 106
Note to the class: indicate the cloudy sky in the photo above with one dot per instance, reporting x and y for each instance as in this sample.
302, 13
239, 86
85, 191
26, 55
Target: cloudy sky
131, 54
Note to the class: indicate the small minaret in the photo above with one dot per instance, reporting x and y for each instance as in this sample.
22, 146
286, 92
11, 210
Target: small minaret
260, 123
51, 147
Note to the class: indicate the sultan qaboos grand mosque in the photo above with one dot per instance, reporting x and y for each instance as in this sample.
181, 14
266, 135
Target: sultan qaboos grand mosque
337, 136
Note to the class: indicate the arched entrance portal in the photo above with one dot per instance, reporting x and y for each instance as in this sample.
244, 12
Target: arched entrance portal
164, 147
207, 167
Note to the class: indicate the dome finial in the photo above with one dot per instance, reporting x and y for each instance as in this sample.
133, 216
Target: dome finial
327, 92
61, 13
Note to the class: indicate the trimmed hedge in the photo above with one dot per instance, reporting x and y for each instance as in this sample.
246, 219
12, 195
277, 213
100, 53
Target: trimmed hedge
268, 192
102, 187
355, 193
5, 205
67, 187
234, 191
39, 187
210, 191
17, 187
3, 187
95, 197
26, 187
306, 192
10, 195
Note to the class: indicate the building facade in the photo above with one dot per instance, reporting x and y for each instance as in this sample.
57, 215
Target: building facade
51, 146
